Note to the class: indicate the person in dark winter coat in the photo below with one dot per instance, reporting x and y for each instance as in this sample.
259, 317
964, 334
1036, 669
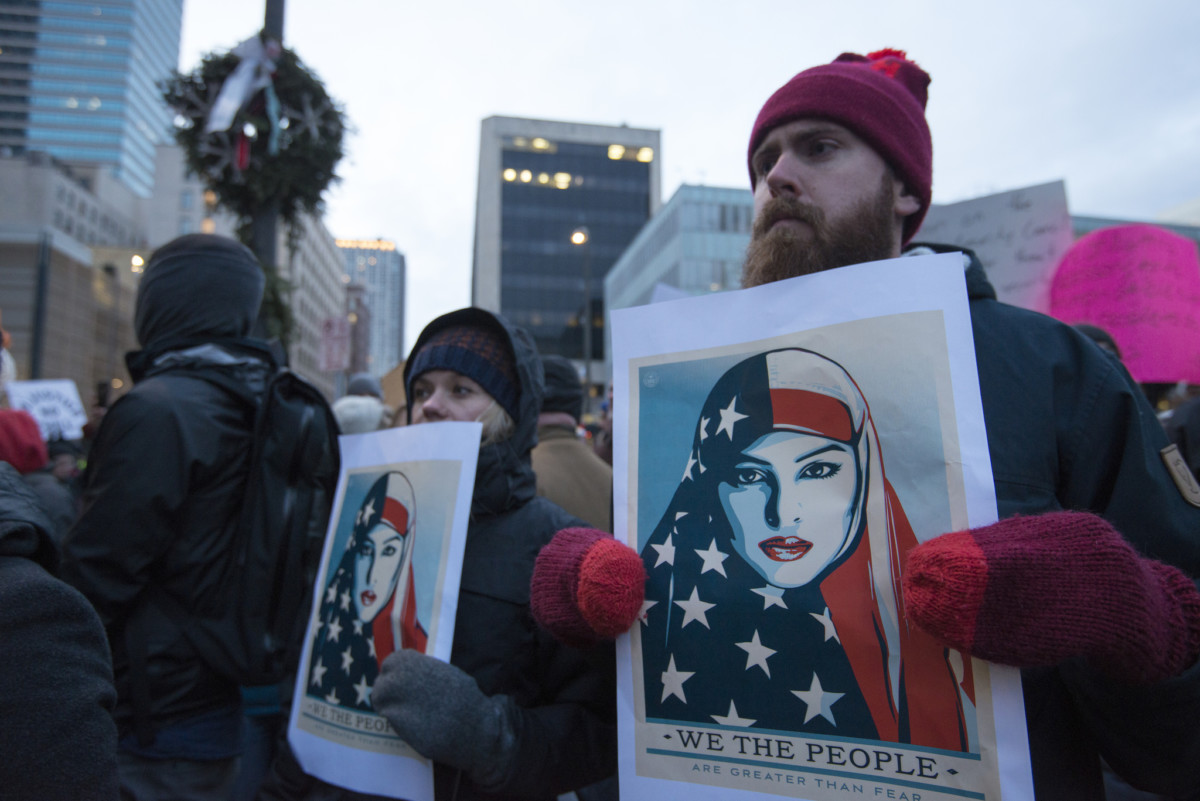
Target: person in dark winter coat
568, 470
163, 489
58, 739
1105, 625
515, 714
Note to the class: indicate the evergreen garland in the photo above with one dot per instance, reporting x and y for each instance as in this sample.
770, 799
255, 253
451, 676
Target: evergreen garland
309, 147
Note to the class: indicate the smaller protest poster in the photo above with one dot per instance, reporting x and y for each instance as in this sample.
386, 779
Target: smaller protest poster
1019, 236
778, 453
1141, 284
389, 579
54, 403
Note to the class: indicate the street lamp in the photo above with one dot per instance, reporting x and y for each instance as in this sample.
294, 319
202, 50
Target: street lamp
581, 237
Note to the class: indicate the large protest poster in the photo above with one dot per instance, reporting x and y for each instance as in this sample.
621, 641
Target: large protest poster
1020, 236
778, 451
389, 579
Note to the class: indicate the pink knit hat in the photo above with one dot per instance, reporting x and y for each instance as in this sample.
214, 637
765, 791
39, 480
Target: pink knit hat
881, 98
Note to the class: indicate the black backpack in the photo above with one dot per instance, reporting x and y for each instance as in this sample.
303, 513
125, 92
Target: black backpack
256, 635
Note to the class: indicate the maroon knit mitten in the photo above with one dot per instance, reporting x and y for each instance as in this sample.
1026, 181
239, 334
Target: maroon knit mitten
586, 586
1033, 591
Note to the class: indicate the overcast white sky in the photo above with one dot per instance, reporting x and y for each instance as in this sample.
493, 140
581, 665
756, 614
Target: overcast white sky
1104, 95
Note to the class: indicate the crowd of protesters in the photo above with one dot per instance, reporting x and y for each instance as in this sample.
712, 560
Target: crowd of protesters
1095, 537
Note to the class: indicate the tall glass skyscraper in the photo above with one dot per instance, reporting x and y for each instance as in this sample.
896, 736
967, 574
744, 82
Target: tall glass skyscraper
558, 203
79, 80
376, 265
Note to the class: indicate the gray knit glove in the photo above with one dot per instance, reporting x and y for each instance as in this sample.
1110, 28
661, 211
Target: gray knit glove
440, 711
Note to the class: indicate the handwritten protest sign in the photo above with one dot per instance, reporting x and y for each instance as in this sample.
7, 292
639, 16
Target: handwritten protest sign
776, 660
1019, 236
54, 403
1141, 284
389, 579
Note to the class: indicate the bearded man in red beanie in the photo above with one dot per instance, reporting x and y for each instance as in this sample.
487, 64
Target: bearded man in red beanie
1105, 625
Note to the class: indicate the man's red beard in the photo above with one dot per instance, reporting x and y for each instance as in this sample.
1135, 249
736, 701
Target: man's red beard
865, 234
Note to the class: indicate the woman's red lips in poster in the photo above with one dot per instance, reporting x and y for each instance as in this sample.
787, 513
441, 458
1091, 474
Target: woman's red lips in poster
785, 549
367, 597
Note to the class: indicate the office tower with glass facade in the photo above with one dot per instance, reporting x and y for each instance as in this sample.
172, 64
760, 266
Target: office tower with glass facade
376, 265
78, 80
694, 246
558, 203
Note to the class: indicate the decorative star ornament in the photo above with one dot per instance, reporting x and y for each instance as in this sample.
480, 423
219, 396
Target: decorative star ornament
757, 654
713, 559
729, 416
666, 551
733, 718
368, 509
703, 428
318, 674
687, 471
333, 697
673, 680
334, 630
818, 701
347, 660
330, 593
694, 610
362, 692
358, 624
344, 600
772, 596
825, 620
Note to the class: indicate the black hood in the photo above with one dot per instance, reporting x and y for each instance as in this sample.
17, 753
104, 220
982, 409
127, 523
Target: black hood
24, 528
504, 478
198, 287
978, 286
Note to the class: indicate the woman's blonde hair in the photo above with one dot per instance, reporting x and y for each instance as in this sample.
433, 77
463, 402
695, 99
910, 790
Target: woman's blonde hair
497, 424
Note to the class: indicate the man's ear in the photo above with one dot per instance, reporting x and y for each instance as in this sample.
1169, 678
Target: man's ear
906, 202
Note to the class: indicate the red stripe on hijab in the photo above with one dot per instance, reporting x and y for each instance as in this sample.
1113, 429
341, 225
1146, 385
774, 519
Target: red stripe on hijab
799, 408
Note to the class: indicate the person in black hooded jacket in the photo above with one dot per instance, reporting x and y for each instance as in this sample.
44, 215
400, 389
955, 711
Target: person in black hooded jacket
515, 714
162, 493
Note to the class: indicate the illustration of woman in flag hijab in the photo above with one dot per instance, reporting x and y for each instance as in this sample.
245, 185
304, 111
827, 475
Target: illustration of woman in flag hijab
774, 592
354, 634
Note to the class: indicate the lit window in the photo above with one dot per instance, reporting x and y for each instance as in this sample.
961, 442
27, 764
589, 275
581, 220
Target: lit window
540, 144
543, 178
510, 174
208, 226
645, 154
616, 152
94, 103
520, 141
72, 103
562, 179
526, 176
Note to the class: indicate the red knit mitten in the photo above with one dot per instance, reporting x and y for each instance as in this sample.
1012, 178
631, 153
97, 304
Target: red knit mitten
1033, 591
586, 586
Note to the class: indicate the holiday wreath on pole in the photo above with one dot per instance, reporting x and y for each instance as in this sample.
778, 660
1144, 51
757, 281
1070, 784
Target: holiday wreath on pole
259, 129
